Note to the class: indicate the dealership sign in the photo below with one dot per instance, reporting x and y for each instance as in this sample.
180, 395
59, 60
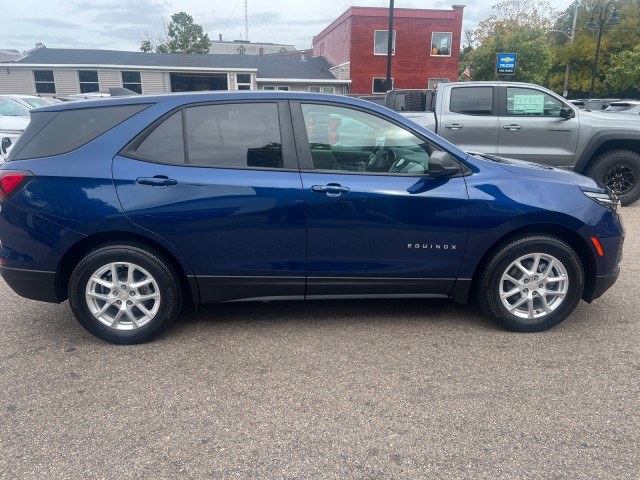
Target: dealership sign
506, 64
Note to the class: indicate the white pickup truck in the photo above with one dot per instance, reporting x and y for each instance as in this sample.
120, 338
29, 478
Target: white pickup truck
529, 122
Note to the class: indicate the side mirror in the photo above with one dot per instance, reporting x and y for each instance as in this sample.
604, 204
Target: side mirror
6, 143
442, 165
567, 113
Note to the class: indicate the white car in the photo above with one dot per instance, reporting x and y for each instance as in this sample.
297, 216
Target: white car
30, 101
14, 118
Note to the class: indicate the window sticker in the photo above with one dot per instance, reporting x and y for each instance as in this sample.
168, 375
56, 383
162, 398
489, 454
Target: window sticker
528, 104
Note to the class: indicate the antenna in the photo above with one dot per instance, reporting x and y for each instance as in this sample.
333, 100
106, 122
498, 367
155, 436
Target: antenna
246, 21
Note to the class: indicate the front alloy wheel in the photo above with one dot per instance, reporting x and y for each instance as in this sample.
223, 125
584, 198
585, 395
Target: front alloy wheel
530, 283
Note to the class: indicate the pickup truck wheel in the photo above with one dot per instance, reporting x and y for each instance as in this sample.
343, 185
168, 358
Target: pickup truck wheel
620, 171
530, 283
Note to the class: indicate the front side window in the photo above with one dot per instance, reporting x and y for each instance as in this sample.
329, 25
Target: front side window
472, 100
132, 81
441, 44
347, 140
234, 135
381, 42
88, 80
44, 81
528, 102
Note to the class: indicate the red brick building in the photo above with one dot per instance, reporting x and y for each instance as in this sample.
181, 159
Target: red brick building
426, 50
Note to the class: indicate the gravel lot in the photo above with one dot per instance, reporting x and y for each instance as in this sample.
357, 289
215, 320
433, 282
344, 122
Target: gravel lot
344, 389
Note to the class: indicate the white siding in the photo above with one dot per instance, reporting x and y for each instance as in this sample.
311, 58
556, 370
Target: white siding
154, 82
66, 82
109, 78
17, 81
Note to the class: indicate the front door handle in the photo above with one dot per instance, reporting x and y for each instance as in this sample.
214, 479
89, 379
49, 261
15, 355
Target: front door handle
156, 181
454, 126
331, 190
512, 127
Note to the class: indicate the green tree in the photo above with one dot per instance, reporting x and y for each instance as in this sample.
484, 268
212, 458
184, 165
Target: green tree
624, 73
181, 35
580, 55
40, 45
514, 26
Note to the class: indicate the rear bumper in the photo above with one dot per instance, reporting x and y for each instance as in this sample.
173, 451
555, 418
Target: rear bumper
32, 284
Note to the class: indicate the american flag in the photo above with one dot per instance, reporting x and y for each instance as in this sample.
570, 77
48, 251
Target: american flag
467, 71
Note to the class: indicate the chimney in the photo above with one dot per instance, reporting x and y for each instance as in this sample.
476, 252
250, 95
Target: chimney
220, 37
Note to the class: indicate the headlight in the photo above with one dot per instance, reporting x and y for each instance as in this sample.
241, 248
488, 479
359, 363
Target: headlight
608, 200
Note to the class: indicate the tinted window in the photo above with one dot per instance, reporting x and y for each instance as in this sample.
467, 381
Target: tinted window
350, 140
165, 143
70, 129
528, 102
234, 135
472, 100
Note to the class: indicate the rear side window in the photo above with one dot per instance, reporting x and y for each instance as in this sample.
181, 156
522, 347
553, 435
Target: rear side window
69, 130
234, 135
472, 100
165, 143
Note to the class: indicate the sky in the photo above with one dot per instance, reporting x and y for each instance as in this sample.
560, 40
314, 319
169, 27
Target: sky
122, 24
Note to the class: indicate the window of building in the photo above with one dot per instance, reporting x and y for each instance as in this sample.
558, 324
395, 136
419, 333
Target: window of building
44, 81
132, 81
472, 100
88, 80
435, 81
380, 85
283, 88
381, 41
441, 44
241, 50
529, 102
321, 89
234, 135
351, 141
243, 81
283, 50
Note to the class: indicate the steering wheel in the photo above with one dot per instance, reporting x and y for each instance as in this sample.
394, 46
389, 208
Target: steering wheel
376, 155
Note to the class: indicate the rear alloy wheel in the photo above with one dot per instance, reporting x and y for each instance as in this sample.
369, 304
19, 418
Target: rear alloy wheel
124, 294
531, 284
620, 171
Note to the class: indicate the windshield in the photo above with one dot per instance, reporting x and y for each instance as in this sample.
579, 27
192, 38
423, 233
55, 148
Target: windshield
36, 102
9, 108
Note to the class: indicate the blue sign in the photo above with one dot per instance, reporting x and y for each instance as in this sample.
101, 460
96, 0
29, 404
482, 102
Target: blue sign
506, 64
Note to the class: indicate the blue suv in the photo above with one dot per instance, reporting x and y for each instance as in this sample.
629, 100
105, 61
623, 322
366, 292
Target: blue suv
130, 207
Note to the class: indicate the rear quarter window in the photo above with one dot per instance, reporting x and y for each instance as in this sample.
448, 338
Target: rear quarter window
61, 132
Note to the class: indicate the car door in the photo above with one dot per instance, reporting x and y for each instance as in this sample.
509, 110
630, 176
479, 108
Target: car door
377, 223
468, 118
219, 183
531, 127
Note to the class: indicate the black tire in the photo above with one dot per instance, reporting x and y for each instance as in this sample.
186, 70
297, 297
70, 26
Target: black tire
414, 101
561, 297
150, 301
620, 171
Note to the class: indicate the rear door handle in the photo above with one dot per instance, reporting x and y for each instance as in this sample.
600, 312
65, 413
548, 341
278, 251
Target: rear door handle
512, 127
331, 190
156, 181
454, 126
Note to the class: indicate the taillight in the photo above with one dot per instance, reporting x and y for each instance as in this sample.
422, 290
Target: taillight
12, 181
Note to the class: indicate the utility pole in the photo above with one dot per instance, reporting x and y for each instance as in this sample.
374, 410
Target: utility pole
565, 89
246, 21
387, 82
